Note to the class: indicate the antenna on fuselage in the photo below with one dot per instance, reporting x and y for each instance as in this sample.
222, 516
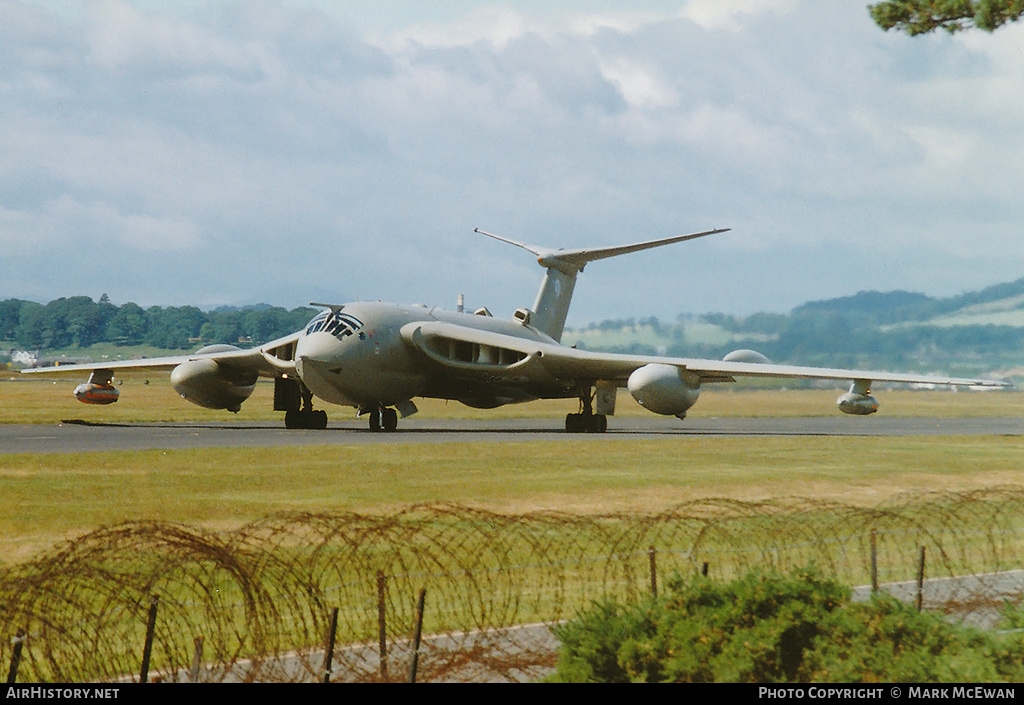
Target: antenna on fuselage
552, 305
334, 307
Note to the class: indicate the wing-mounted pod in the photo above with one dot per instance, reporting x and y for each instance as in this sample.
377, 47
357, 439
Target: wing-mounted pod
858, 401
99, 389
664, 389
747, 356
213, 385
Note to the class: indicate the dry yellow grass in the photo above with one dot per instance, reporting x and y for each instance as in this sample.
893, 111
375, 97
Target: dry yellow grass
45, 498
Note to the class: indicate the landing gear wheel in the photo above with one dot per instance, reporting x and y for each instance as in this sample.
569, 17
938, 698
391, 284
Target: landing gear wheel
383, 419
301, 413
586, 423
306, 419
574, 423
319, 420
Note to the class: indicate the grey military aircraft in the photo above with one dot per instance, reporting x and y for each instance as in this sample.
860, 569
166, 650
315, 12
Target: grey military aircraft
378, 357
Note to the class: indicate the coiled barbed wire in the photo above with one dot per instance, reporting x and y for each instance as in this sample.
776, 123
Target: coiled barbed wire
260, 598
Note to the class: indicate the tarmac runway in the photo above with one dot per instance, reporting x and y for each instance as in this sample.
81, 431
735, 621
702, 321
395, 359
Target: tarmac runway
72, 436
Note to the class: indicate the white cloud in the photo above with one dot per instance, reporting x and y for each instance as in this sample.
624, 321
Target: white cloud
495, 25
96, 229
729, 14
639, 85
355, 156
123, 39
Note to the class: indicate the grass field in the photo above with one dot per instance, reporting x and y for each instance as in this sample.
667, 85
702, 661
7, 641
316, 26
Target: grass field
45, 498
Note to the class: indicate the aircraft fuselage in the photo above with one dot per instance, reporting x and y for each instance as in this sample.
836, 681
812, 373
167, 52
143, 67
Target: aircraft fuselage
355, 355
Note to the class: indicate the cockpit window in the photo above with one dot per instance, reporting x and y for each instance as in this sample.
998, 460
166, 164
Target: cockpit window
338, 324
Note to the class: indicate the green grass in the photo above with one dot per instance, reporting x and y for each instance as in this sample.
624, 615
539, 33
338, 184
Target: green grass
113, 351
46, 497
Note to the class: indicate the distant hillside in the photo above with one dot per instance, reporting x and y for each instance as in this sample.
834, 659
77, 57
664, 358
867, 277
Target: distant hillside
1002, 304
878, 305
979, 333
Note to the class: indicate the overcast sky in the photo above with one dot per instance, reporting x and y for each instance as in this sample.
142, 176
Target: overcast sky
214, 153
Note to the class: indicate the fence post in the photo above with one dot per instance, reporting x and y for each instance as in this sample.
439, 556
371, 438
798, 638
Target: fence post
653, 555
382, 625
18, 641
329, 654
874, 561
197, 659
417, 635
147, 650
920, 581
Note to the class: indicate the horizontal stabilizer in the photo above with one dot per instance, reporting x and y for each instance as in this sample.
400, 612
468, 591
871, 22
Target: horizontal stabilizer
573, 261
552, 304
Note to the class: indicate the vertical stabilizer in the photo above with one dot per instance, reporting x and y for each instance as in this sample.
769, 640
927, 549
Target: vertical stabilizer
552, 305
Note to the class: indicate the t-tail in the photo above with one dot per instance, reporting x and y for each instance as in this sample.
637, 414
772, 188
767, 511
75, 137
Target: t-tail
552, 305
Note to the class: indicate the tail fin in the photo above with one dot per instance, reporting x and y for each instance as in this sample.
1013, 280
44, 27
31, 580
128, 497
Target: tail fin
552, 305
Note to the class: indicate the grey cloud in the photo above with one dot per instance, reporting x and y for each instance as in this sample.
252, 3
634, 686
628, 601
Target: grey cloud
269, 149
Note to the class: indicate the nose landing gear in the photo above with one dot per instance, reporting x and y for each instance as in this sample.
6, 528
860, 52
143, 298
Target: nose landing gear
383, 419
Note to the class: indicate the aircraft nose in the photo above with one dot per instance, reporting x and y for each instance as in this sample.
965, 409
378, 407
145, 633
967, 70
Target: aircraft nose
317, 347
318, 361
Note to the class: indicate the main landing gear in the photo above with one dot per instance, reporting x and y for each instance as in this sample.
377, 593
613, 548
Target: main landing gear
296, 401
586, 421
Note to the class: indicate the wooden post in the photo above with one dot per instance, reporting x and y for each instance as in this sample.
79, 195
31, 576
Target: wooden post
197, 660
382, 625
653, 556
147, 650
329, 653
920, 581
19, 642
874, 561
417, 635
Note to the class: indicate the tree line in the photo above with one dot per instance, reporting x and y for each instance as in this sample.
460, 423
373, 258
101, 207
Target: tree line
78, 321
869, 328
